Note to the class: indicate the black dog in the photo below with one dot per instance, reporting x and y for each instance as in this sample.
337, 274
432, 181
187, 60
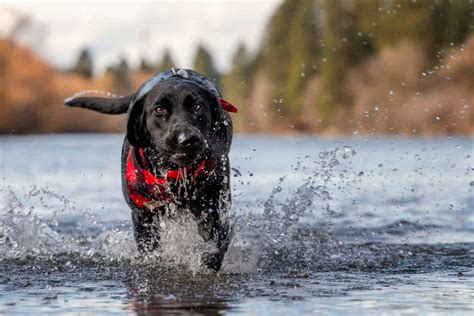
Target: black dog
175, 155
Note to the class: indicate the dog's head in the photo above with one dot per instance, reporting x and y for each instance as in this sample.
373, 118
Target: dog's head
176, 112
177, 117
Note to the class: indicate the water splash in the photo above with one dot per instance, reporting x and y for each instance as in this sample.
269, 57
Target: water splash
42, 223
277, 237
289, 233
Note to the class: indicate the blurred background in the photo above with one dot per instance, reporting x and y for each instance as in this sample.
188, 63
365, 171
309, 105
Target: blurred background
316, 66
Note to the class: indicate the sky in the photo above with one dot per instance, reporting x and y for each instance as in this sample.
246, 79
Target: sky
111, 29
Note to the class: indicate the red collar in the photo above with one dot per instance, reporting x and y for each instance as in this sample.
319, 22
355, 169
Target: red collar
226, 105
147, 190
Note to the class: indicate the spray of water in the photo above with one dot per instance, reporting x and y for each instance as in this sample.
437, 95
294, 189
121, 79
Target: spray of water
259, 238
290, 233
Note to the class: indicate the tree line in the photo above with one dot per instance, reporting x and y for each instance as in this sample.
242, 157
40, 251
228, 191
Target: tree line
323, 39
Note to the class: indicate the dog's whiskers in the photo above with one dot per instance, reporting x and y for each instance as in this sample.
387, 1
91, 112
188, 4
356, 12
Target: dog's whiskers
183, 178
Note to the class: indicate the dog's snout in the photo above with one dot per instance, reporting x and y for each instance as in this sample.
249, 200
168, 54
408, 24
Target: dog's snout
188, 140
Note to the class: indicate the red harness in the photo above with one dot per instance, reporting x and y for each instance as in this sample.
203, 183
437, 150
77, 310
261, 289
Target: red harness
147, 190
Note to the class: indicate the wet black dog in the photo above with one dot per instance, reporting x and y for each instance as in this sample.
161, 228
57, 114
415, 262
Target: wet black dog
174, 156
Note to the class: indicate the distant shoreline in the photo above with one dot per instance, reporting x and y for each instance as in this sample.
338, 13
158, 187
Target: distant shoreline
257, 134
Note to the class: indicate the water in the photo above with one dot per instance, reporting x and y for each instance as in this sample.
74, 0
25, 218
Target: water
327, 226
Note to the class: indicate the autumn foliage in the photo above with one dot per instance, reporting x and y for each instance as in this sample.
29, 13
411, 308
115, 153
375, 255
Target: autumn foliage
331, 67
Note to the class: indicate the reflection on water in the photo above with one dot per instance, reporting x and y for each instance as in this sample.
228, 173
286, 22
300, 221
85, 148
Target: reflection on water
320, 226
98, 288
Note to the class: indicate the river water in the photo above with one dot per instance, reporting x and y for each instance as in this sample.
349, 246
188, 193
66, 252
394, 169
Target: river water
321, 226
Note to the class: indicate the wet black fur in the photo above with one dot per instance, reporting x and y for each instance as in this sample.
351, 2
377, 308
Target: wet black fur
195, 133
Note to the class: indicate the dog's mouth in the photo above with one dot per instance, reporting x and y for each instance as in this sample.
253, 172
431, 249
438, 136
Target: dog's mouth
183, 159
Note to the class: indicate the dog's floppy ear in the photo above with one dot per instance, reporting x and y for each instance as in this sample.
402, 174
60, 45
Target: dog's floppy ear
137, 134
118, 105
216, 111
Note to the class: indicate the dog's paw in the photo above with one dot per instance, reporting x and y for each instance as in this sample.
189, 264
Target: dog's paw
213, 260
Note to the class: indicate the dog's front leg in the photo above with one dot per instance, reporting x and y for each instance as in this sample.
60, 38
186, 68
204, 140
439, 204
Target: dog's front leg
145, 229
212, 227
220, 235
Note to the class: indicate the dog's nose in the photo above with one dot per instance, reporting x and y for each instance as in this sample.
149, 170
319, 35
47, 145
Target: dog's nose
188, 140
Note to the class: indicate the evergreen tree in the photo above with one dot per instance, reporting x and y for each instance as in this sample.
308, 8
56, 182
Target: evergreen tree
289, 51
121, 75
341, 50
389, 21
145, 65
84, 65
167, 61
302, 40
240, 58
451, 22
203, 63
237, 82
434, 23
275, 48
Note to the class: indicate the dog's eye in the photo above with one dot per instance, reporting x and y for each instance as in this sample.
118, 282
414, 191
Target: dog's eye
197, 106
160, 110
